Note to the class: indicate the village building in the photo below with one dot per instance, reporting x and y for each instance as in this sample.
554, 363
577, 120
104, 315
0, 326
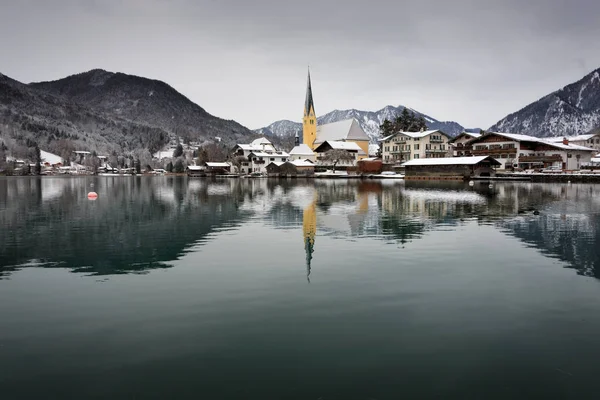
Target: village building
291, 168
301, 151
458, 145
313, 135
355, 152
528, 152
405, 146
450, 167
218, 168
257, 155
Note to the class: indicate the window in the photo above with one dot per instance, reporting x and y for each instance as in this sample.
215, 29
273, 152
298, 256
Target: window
271, 159
416, 146
569, 155
416, 156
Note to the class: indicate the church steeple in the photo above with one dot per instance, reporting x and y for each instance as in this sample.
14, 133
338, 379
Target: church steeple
309, 122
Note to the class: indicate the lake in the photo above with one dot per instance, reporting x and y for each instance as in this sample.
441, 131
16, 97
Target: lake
176, 287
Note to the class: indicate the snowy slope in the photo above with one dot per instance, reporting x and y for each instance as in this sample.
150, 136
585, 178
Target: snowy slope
572, 110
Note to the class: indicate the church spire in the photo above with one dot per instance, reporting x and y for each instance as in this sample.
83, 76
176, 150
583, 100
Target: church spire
308, 103
309, 122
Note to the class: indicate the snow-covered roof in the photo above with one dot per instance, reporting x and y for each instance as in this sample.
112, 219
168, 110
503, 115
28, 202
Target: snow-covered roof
371, 159
81, 152
256, 147
515, 136
280, 154
218, 164
302, 150
569, 146
348, 146
195, 167
416, 135
471, 135
578, 138
348, 129
595, 160
50, 158
260, 142
449, 161
302, 163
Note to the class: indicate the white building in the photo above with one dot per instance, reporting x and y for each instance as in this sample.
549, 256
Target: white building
260, 147
302, 152
523, 151
352, 148
406, 146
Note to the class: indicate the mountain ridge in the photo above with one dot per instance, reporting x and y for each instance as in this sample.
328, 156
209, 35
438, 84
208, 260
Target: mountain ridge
369, 121
574, 109
107, 112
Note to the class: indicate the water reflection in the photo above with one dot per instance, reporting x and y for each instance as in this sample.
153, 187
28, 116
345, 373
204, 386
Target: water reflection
139, 224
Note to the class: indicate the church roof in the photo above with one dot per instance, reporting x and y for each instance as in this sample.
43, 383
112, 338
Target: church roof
302, 150
308, 103
348, 129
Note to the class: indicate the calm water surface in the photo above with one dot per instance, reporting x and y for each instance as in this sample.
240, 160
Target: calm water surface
170, 287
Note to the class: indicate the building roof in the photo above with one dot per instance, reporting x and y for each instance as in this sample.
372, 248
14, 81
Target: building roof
261, 141
449, 161
308, 102
264, 154
302, 150
569, 146
302, 163
256, 147
417, 135
277, 163
195, 168
348, 146
578, 138
218, 164
50, 158
469, 134
348, 129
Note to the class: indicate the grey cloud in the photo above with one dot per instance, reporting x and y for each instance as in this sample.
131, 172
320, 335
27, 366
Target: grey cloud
467, 60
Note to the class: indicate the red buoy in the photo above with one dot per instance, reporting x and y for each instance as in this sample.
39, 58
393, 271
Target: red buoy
92, 195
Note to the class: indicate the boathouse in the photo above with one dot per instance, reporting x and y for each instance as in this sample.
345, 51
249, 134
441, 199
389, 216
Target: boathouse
450, 168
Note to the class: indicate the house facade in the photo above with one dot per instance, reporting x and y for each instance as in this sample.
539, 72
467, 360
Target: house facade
405, 146
459, 145
523, 151
257, 155
355, 152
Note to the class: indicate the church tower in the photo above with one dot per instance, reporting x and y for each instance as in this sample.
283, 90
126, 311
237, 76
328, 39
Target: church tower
309, 122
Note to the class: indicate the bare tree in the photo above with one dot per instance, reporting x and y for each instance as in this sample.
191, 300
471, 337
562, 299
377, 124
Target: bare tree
237, 162
336, 155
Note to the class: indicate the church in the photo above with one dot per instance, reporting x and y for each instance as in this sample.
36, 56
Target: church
327, 136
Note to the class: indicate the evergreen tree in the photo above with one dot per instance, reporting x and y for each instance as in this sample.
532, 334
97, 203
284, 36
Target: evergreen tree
387, 128
169, 167
178, 168
178, 151
138, 167
38, 161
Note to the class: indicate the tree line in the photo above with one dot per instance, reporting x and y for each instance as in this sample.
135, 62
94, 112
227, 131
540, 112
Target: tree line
407, 121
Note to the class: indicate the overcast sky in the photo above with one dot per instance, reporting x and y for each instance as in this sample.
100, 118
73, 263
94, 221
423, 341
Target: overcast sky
472, 61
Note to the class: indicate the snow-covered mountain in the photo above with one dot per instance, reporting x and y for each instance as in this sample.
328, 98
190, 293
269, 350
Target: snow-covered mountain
572, 110
369, 121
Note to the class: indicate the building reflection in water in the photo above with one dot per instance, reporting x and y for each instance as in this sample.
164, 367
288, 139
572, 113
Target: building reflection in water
309, 230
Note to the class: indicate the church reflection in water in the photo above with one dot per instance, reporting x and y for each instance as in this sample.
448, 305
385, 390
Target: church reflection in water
309, 230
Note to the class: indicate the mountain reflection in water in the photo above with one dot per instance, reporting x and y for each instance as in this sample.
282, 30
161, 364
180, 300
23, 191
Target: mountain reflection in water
144, 223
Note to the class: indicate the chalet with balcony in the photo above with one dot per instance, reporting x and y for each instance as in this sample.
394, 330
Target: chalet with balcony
352, 148
406, 146
257, 155
459, 147
522, 151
